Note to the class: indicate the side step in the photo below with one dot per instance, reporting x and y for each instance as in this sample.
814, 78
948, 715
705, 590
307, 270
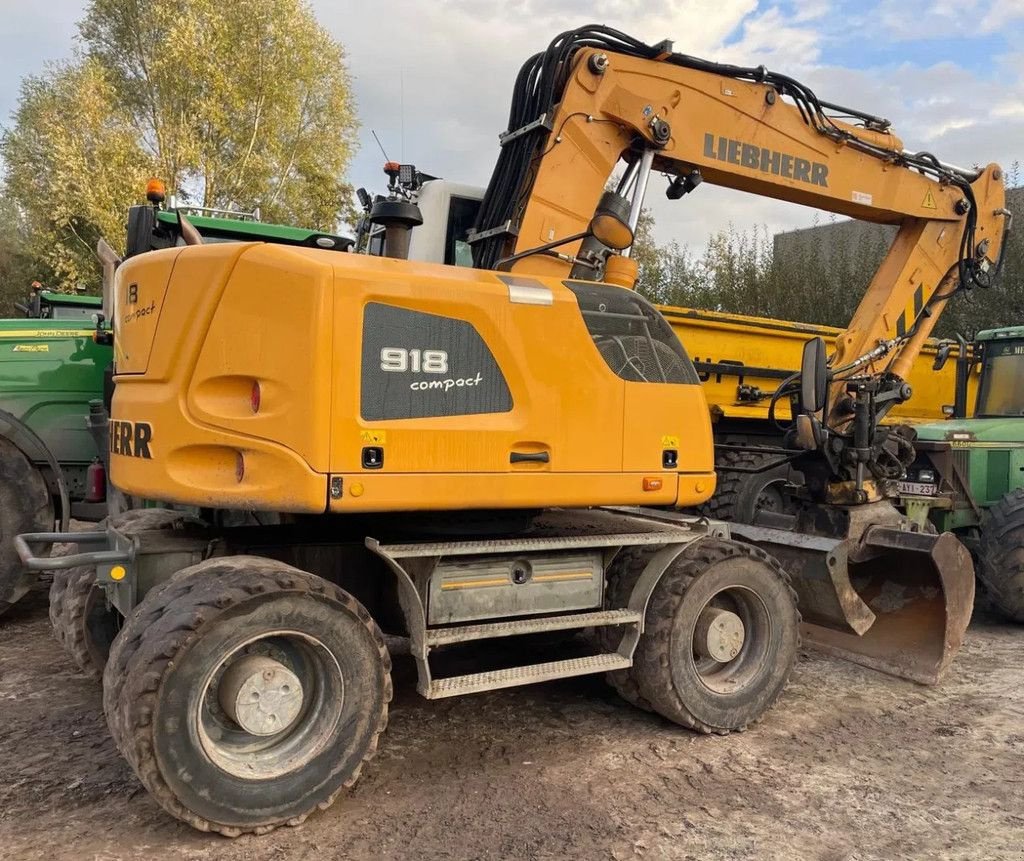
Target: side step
465, 633
478, 682
490, 547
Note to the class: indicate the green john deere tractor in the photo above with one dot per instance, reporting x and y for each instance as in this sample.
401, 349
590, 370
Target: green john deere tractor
50, 369
968, 476
55, 383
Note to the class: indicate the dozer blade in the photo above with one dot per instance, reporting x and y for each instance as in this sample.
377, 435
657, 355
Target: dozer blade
881, 595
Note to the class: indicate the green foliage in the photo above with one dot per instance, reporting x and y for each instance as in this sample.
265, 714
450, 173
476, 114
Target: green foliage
238, 104
73, 166
18, 269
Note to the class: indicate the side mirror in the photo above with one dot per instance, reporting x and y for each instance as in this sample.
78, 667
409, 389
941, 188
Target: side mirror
813, 376
610, 224
942, 355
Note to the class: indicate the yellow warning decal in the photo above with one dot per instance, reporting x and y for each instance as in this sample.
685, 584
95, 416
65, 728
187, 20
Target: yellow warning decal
929, 200
374, 437
670, 442
31, 348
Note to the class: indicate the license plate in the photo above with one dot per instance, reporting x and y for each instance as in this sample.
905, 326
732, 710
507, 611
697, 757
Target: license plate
916, 488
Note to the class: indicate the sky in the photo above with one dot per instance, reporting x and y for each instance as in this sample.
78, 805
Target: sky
434, 78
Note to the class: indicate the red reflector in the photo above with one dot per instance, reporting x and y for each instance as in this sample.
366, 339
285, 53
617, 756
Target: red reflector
254, 397
652, 484
239, 467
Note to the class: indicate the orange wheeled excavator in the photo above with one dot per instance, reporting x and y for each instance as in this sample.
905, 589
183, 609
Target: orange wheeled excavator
467, 457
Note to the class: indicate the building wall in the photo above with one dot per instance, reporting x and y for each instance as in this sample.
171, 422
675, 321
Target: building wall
843, 240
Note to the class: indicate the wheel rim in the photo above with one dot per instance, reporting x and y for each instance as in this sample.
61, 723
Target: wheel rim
270, 705
729, 640
771, 498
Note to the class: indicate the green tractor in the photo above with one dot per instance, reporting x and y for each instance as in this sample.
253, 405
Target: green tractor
55, 382
968, 477
51, 367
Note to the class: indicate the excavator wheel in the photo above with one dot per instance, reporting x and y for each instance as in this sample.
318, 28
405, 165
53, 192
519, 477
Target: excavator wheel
721, 636
739, 495
83, 623
25, 506
246, 694
1001, 556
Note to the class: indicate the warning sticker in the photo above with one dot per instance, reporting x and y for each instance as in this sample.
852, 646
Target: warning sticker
374, 437
929, 201
670, 442
862, 197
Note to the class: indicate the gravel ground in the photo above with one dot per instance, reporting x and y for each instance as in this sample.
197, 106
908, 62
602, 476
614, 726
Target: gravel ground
850, 765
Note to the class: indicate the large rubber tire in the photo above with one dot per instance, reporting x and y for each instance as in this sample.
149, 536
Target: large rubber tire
169, 653
733, 695
25, 506
1001, 556
620, 579
82, 621
84, 624
740, 495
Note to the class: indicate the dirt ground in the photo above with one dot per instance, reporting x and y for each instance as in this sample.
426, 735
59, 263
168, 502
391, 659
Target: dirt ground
850, 765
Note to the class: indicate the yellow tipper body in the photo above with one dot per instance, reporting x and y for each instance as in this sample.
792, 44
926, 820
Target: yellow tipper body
290, 379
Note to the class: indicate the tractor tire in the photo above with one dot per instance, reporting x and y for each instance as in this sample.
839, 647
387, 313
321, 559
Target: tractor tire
206, 645
720, 638
1001, 556
83, 623
25, 506
740, 495
622, 575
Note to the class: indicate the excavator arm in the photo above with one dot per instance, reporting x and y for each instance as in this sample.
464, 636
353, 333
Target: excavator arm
598, 99
597, 103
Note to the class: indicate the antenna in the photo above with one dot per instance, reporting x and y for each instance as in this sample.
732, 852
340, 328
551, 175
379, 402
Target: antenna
401, 81
372, 132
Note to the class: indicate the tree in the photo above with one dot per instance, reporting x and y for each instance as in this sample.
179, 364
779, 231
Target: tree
237, 104
18, 268
73, 166
818, 276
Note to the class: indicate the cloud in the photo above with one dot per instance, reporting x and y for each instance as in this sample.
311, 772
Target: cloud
913, 20
32, 35
435, 79
445, 71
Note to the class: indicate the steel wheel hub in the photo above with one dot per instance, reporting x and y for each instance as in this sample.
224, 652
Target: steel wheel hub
719, 635
261, 695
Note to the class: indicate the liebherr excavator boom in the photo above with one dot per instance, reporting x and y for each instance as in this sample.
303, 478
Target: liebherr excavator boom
598, 99
446, 453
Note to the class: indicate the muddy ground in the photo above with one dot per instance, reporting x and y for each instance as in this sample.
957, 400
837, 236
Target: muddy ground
850, 765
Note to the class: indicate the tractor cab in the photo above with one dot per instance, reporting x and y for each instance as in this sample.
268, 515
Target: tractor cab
43, 304
1001, 393
976, 460
435, 214
153, 225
